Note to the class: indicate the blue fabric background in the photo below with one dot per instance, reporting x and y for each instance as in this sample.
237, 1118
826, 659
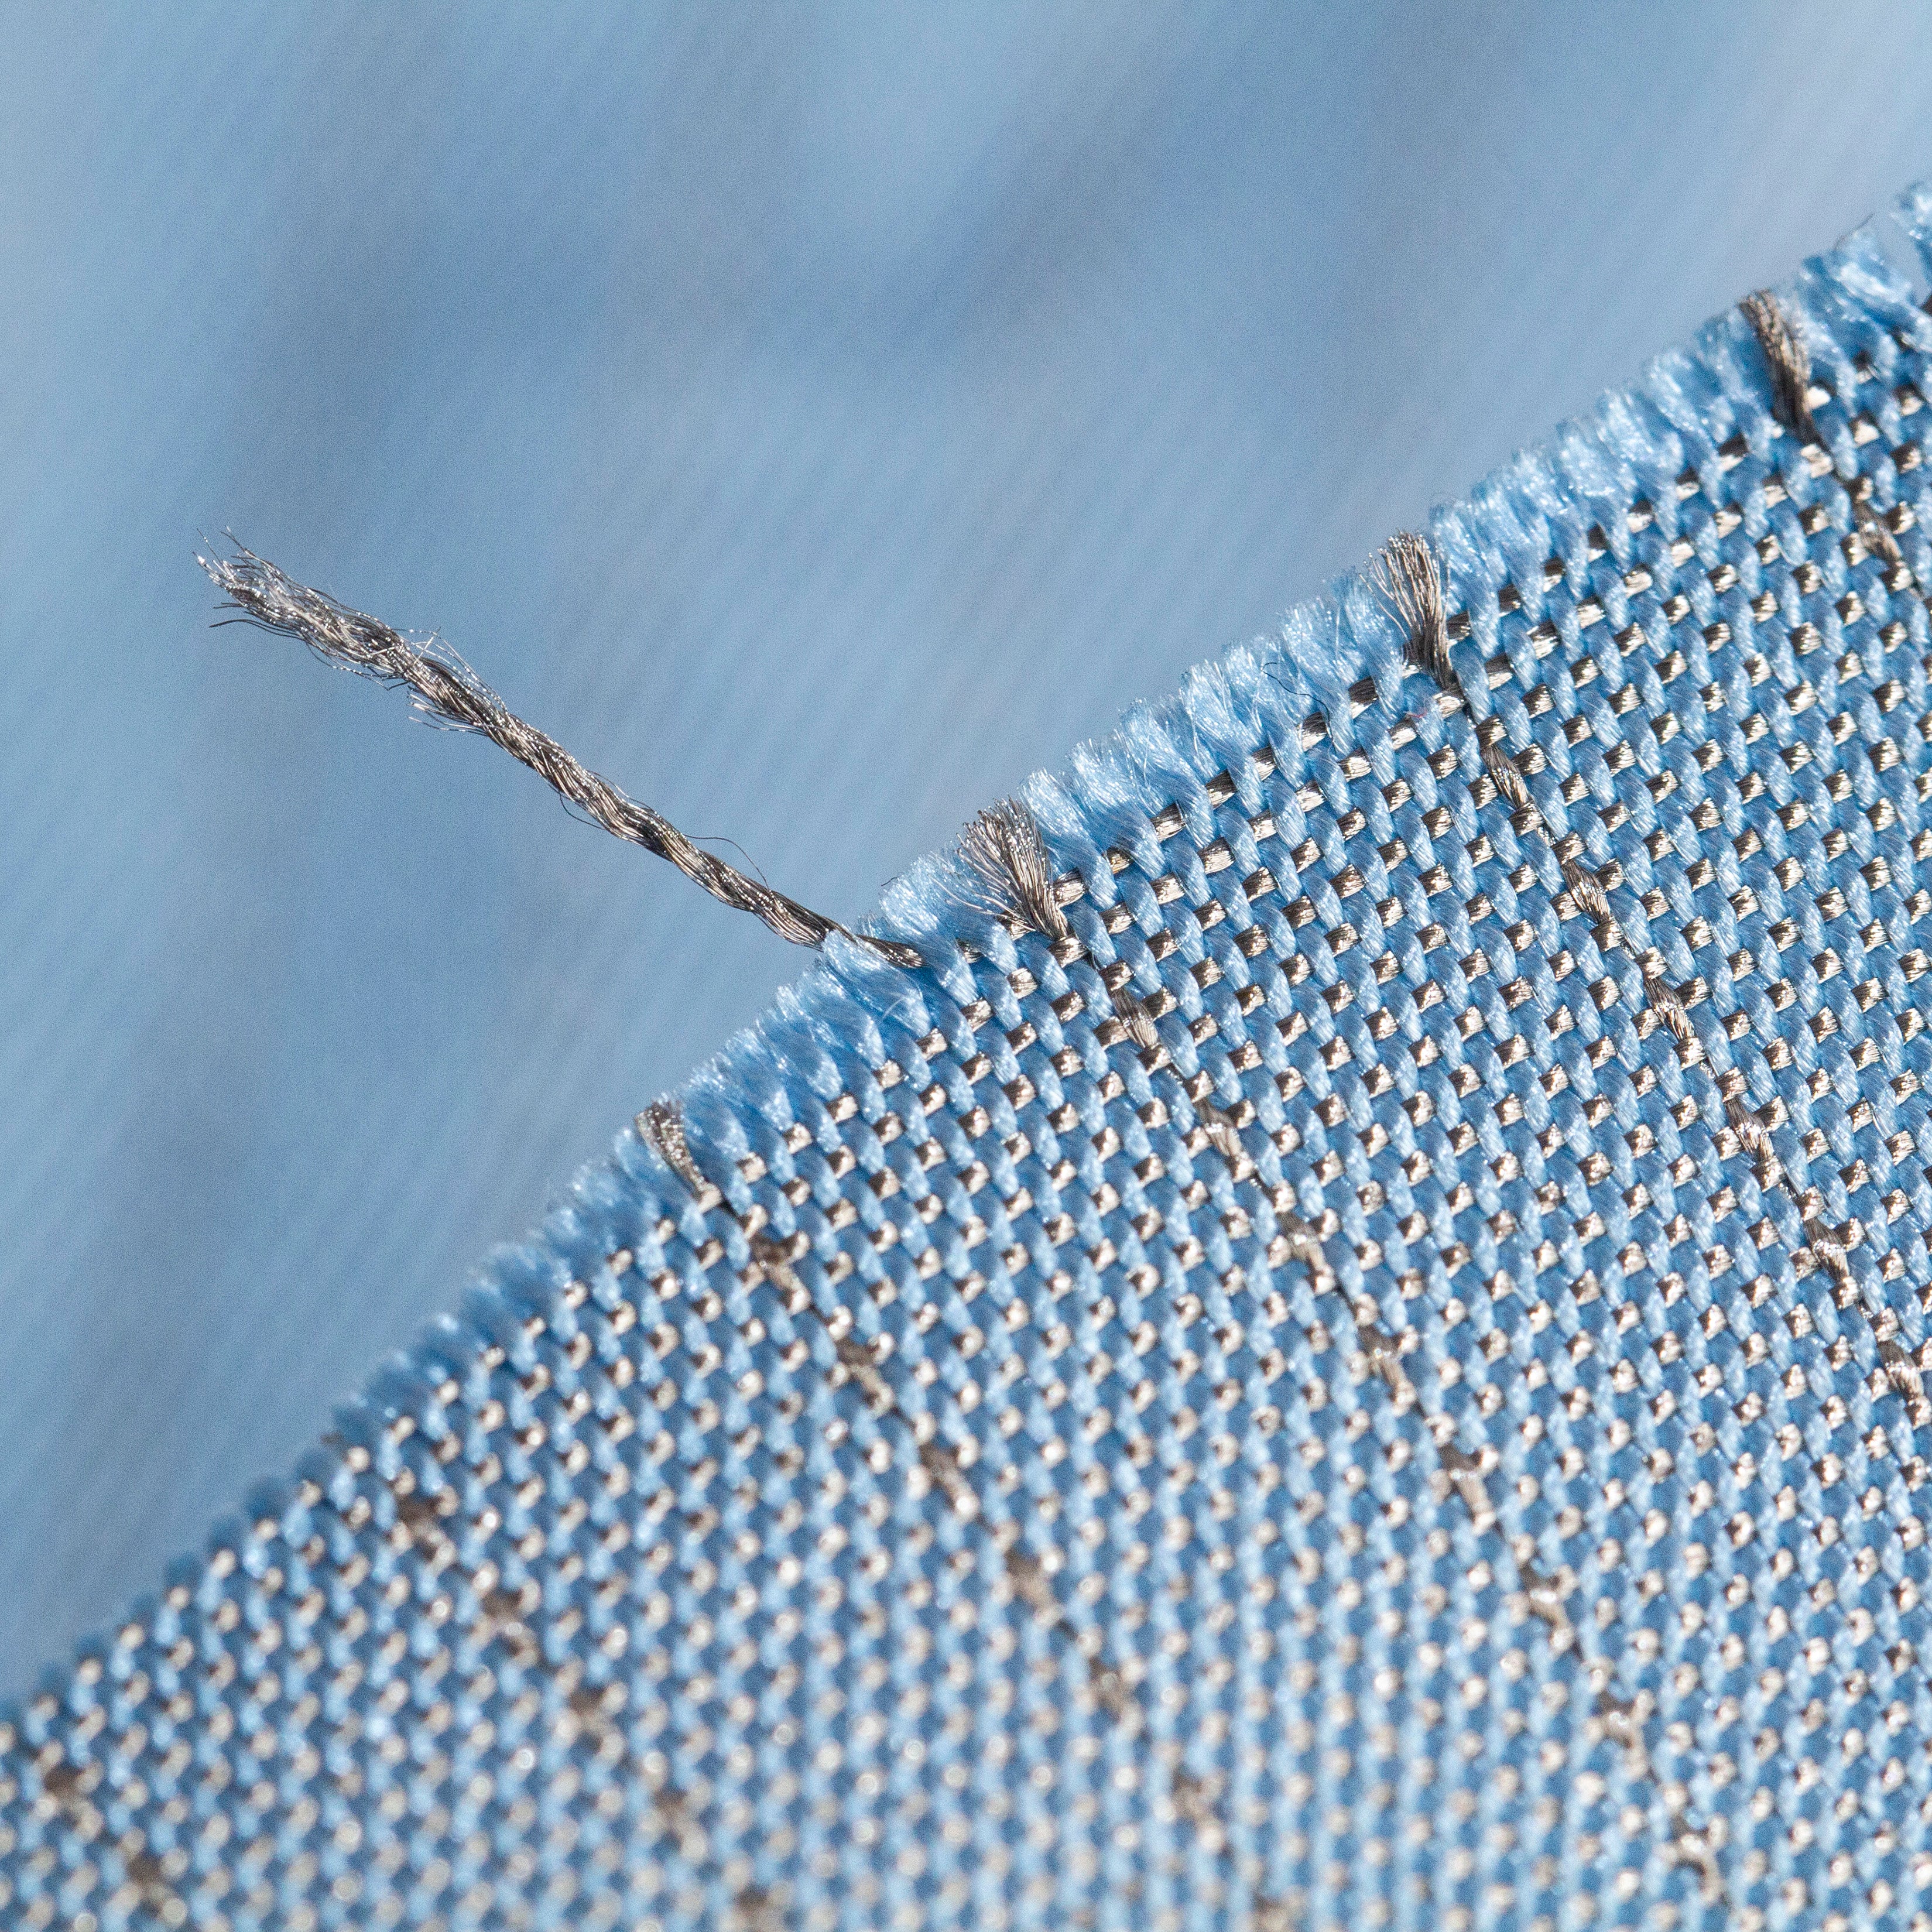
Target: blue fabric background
818, 422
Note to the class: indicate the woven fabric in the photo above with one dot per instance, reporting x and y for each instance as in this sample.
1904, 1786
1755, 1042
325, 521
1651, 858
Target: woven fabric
1289, 1405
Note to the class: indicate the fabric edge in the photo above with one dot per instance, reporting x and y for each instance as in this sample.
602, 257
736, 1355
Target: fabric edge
851, 1012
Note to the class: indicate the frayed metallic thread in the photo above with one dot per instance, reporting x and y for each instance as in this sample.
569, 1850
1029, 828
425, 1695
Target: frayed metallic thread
1004, 850
446, 691
660, 1125
1405, 575
1787, 356
1007, 855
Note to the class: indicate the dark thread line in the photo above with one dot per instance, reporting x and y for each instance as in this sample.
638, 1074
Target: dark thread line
1784, 351
1824, 1246
507, 1621
69, 1787
1780, 335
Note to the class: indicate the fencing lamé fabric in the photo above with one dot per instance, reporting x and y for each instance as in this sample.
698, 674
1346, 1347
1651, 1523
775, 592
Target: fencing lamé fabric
1276, 1397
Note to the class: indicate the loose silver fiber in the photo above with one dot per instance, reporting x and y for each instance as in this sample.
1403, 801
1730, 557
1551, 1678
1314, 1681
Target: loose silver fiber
446, 691
1782, 339
1004, 849
1406, 577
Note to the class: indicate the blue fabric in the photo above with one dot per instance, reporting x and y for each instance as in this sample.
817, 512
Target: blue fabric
949, 1487
818, 426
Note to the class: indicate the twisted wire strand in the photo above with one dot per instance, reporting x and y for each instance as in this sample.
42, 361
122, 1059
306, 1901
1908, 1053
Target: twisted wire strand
445, 690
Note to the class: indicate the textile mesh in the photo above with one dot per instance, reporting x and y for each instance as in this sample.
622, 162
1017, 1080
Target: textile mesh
1277, 1399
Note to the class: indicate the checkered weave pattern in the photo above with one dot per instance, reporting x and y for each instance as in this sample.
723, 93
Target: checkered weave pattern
1262, 1385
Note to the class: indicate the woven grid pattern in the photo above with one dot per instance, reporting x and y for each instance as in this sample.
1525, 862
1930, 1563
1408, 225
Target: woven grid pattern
1285, 1404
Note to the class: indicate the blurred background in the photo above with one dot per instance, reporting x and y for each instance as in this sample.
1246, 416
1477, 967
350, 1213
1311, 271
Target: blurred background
818, 419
